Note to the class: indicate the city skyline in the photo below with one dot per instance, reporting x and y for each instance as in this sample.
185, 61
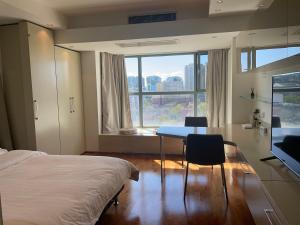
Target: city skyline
162, 66
165, 80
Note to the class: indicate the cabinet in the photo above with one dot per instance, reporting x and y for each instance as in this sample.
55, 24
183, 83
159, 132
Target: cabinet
38, 90
69, 87
44, 91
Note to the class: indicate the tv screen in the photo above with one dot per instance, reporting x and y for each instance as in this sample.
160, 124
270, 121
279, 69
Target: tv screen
286, 119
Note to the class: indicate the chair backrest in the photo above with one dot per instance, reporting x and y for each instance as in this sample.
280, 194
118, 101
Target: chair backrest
195, 122
276, 123
205, 149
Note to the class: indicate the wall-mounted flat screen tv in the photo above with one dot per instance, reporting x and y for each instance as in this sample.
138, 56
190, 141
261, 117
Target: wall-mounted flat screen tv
286, 119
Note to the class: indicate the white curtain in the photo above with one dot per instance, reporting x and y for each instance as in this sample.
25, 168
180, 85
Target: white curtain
114, 91
217, 87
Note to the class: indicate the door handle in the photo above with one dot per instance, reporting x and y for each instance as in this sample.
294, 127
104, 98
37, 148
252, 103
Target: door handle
71, 104
35, 109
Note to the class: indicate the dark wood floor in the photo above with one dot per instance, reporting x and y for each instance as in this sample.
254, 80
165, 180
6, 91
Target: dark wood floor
147, 202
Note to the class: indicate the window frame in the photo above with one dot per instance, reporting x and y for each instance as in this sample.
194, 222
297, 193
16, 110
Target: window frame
251, 53
140, 93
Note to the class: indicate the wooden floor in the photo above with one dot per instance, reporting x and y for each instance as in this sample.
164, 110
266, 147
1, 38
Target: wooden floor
148, 202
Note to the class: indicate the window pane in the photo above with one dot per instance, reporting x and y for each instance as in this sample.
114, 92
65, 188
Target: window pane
244, 61
293, 51
201, 104
132, 69
203, 72
286, 99
159, 110
134, 107
289, 80
168, 73
286, 105
266, 56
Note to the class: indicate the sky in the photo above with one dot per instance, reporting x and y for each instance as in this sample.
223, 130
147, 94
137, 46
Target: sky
266, 56
162, 66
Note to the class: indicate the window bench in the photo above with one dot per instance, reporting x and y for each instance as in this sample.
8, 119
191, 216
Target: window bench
145, 141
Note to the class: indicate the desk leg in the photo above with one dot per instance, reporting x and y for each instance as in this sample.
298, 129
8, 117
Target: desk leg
161, 158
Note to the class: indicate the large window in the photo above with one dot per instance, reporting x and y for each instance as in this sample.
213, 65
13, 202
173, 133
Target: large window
165, 89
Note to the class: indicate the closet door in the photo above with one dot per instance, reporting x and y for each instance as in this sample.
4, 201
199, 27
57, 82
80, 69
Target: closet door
69, 83
44, 90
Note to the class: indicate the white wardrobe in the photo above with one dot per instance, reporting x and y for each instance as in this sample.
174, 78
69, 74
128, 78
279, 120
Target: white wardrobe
42, 90
70, 107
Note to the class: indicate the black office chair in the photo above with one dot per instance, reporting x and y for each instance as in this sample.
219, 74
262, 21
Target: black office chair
276, 123
193, 122
205, 150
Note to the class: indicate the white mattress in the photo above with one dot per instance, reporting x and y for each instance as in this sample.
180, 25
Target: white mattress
41, 189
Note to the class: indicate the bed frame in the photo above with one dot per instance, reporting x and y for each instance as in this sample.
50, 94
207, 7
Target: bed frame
114, 201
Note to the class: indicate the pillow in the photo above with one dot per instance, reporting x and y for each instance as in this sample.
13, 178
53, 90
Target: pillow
2, 151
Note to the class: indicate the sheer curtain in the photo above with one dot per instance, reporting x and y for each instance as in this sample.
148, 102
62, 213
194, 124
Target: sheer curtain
114, 91
217, 87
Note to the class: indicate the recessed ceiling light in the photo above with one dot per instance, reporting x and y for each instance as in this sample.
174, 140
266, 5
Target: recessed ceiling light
250, 34
220, 1
261, 5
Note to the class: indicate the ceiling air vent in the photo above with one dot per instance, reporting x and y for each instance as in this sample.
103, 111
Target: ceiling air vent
162, 17
147, 43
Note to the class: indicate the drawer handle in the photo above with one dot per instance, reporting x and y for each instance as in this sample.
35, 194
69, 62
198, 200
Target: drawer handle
272, 217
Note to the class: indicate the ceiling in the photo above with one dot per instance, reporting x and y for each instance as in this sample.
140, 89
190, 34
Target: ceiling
55, 13
71, 7
189, 43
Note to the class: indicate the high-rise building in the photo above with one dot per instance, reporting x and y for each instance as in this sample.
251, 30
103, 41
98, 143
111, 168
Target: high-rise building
189, 77
173, 83
133, 83
153, 82
203, 71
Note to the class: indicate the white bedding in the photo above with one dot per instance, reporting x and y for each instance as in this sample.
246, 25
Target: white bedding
41, 189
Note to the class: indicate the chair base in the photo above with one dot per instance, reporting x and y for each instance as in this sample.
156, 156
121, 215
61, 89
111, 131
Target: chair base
223, 181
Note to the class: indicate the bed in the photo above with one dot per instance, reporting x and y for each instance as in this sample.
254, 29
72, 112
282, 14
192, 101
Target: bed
41, 189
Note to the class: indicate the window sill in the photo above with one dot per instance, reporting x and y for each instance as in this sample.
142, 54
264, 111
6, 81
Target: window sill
140, 132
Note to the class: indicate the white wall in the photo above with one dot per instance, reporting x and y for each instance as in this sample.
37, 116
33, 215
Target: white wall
229, 84
239, 84
90, 80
